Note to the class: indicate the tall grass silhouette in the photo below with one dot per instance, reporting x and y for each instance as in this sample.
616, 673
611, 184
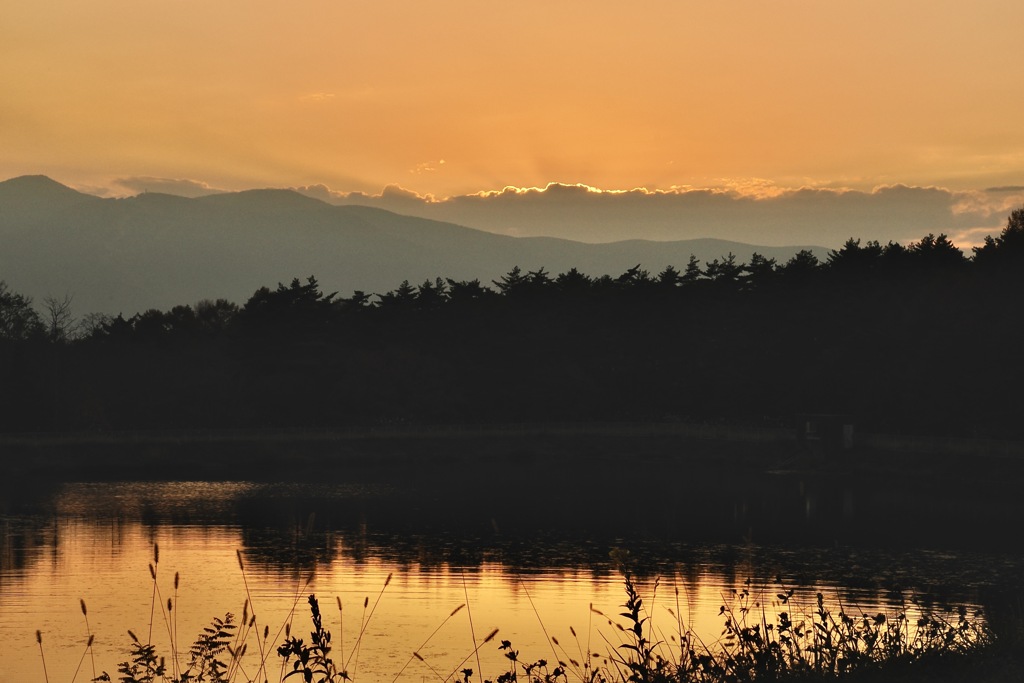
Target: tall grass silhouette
769, 633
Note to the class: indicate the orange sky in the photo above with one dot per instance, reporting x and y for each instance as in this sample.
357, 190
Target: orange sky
451, 97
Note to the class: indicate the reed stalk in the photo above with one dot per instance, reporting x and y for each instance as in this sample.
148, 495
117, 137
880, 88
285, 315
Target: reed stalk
764, 638
88, 631
39, 641
416, 653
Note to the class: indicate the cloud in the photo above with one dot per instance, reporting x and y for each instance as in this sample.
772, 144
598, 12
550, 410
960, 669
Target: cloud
427, 167
316, 97
326, 194
969, 238
752, 211
176, 186
551, 190
98, 190
988, 203
396, 196
759, 188
391, 197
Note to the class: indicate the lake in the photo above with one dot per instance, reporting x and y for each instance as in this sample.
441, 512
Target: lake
525, 550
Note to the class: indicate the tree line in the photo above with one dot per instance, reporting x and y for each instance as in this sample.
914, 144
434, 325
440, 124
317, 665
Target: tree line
907, 338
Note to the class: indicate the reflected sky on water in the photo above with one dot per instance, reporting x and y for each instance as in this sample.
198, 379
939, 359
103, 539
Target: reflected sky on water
95, 542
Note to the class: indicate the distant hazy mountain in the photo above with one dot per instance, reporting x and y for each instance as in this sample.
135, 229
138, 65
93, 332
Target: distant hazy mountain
157, 250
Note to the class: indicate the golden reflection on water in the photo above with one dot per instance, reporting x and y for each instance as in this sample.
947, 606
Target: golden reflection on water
95, 542
106, 564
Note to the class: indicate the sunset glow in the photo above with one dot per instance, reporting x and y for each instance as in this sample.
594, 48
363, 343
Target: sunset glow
407, 340
454, 98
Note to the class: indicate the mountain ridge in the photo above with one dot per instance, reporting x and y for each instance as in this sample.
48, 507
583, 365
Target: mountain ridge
156, 250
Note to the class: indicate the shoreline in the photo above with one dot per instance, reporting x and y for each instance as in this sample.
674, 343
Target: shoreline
295, 453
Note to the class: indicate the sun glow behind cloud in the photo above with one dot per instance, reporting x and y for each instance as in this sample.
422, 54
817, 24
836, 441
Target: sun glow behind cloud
670, 96
750, 210
754, 212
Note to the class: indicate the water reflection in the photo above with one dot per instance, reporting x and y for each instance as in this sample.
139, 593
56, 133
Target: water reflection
302, 526
517, 564
106, 565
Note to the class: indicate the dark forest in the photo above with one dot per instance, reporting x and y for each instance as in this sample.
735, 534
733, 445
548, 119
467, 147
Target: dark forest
916, 339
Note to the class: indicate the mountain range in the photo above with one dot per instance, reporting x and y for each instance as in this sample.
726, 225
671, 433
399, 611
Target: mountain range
126, 255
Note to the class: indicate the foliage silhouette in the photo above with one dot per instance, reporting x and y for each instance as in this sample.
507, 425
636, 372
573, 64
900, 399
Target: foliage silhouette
871, 332
18, 320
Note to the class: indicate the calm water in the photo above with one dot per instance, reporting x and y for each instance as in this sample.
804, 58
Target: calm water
532, 574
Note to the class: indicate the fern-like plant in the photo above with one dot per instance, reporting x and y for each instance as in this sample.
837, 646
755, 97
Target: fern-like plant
207, 663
